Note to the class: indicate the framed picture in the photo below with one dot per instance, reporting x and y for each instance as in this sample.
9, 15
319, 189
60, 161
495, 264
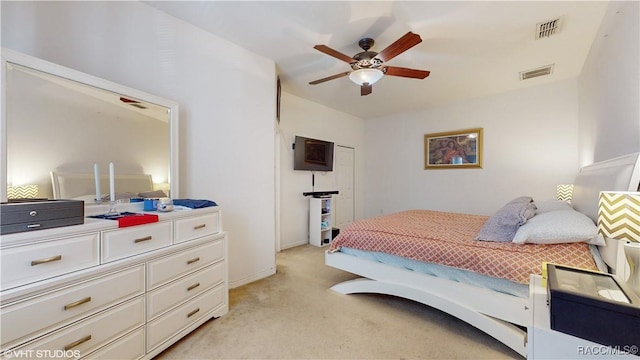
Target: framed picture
453, 150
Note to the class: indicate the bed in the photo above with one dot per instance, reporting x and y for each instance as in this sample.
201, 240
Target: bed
496, 301
83, 187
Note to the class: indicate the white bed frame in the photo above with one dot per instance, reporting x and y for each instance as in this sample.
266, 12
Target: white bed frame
495, 313
72, 186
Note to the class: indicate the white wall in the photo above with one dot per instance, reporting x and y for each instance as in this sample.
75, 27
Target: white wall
533, 138
609, 87
306, 118
530, 146
226, 96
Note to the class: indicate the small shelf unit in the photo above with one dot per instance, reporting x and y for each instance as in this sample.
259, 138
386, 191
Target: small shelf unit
320, 220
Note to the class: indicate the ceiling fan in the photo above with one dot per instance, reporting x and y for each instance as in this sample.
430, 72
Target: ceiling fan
368, 66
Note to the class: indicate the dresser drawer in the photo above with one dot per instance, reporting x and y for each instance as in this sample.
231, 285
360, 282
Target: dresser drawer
41, 313
86, 336
168, 268
119, 244
164, 327
198, 226
130, 346
172, 294
21, 265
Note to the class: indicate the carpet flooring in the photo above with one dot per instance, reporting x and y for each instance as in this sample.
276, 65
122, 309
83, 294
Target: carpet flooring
294, 315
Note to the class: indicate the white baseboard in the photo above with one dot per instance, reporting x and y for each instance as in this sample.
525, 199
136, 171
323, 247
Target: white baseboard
255, 277
289, 246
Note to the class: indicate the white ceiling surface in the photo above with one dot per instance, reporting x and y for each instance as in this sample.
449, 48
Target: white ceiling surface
472, 48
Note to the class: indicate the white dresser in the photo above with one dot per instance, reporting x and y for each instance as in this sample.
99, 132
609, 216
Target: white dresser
99, 291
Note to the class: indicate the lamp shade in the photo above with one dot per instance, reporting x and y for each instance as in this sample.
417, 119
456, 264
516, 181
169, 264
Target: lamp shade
564, 192
362, 76
619, 215
22, 192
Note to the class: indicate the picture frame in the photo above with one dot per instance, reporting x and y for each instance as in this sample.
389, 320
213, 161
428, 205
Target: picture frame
453, 149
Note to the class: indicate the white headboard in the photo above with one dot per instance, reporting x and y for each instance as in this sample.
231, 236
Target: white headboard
76, 186
618, 174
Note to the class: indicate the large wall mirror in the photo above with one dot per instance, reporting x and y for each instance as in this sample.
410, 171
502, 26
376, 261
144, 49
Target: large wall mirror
61, 127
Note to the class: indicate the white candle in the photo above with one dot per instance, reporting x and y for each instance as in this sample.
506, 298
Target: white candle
96, 175
112, 185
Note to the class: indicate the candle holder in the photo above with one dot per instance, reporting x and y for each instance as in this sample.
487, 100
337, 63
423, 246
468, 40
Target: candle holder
112, 209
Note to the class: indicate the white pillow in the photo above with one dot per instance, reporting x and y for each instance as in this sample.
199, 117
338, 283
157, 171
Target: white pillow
552, 205
557, 227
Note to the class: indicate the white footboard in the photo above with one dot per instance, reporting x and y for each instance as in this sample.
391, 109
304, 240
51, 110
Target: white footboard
492, 312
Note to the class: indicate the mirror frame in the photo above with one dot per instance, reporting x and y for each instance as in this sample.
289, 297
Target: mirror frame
11, 56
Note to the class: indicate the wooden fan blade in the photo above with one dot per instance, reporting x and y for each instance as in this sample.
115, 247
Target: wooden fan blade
128, 101
336, 54
365, 89
406, 72
406, 42
329, 78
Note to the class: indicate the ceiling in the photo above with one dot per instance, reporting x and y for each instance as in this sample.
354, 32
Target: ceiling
472, 48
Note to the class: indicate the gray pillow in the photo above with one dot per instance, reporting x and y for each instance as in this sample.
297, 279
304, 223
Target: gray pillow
557, 227
504, 224
152, 194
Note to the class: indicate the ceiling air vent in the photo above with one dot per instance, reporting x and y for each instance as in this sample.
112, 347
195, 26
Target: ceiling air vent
542, 71
548, 28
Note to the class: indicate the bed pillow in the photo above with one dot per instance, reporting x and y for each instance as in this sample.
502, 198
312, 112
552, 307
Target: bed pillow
156, 194
552, 205
503, 225
119, 196
557, 227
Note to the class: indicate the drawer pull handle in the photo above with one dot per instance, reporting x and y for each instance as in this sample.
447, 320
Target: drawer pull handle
193, 312
146, 238
77, 342
198, 227
193, 286
76, 303
46, 260
189, 262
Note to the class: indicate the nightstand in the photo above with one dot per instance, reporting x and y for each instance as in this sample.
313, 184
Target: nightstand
544, 343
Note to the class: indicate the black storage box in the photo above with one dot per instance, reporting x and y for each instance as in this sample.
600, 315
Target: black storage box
583, 304
23, 216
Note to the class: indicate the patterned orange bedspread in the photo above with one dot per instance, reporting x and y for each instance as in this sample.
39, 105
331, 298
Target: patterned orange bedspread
449, 239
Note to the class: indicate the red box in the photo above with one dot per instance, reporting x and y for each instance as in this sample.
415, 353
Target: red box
137, 219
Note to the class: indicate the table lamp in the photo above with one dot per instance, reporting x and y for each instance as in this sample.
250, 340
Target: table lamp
22, 192
619, 218
564, 192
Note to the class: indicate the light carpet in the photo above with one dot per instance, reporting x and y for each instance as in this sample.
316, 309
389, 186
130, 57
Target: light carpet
294, 315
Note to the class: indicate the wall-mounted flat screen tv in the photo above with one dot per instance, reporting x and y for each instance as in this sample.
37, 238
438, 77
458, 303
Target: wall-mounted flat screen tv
312, 154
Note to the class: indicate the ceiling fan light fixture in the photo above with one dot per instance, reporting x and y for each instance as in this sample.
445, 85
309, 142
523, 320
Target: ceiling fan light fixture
362, 76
